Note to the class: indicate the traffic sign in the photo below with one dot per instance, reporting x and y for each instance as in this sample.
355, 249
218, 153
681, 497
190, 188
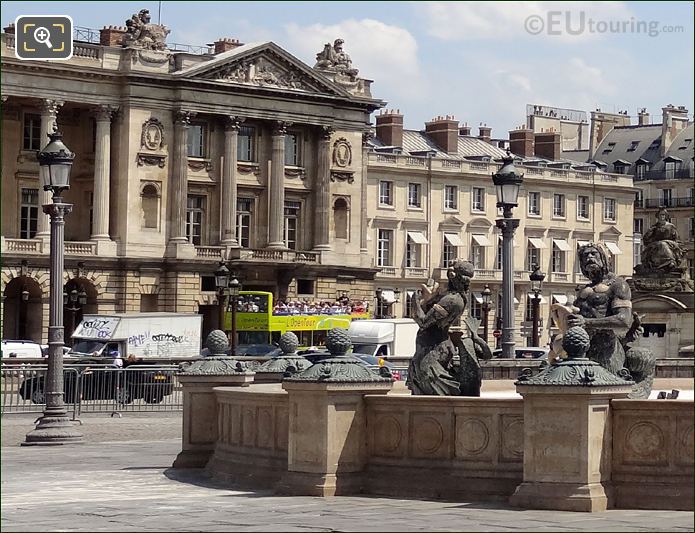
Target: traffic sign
497, 333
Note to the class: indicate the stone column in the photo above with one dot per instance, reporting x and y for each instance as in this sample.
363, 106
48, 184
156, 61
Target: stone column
327, 428
49, 113
568, 432
228, 235
179, 177
363, 193
322, 192
102, 173
276, 180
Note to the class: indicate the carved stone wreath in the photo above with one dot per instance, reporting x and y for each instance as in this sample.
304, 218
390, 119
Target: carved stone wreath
151, 160
249, 169
347, 175
295, 173
197, 165
152, 137
342, 153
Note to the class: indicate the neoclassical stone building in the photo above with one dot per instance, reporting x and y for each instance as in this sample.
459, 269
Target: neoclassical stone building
242, 153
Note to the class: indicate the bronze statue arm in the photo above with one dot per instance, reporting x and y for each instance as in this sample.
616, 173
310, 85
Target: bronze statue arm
434, 315
621, 319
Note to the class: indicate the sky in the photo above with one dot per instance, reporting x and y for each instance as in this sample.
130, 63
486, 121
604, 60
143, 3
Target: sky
479, 61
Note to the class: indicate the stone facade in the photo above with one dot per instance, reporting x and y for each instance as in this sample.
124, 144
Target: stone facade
247, 155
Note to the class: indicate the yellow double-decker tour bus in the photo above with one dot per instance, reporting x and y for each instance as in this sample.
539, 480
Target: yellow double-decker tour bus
261, 321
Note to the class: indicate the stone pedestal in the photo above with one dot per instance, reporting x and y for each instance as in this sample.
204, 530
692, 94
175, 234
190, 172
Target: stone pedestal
200, 407
327, 440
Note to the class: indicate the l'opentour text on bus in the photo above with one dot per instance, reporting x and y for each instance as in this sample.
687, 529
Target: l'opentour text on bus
259, 321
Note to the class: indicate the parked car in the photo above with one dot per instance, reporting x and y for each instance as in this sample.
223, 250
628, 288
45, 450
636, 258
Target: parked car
525, 353
104, 382
21, 349
375, 363
260, 350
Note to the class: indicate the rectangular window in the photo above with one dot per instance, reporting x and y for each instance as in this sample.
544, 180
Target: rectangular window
451, 197
196, 140
414, 195
498, 258
609, 209
292, 209
558, 260
478, 198
665, 197
245, 148
641, 170
244, 212
449, 252
384, 246
478, 256
639, 225
559, 205
292, 156
412, 254
32, 132
476, 307
639, 198
529, 307
583, 207
195, 212
669, 170
533, 258
534, 203
29, 212
385, 193
633, 146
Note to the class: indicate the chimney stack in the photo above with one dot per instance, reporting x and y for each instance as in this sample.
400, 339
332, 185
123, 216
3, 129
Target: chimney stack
601, 124
643, 117
444, 131
389, 128
9, 28
674, 120
225, 44
112, 35
521, 142
547, 145
465, 130
484, 132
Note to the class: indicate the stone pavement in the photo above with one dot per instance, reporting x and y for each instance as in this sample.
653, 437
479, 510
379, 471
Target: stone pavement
129, 486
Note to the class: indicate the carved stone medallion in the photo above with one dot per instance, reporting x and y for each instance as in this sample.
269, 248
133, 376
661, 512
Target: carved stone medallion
342, 153
152, 135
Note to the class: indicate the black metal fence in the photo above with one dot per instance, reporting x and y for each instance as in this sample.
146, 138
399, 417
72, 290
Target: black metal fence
93, 389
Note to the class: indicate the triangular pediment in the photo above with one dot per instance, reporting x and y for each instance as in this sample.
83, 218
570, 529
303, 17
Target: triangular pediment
266, 66
610, 232
450, 222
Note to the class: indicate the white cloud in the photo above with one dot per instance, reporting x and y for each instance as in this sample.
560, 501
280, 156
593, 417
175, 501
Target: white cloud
382, 52
501, 21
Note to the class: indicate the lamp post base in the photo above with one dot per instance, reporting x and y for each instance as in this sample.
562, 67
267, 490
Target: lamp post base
53, 430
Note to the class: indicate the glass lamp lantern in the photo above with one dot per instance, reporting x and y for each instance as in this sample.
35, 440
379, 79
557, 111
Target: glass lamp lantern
221, 277
55, 163
234, 288
507, 183
487, 296
536, 278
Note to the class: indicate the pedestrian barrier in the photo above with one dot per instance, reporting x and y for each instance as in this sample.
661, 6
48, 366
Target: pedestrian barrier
94, 389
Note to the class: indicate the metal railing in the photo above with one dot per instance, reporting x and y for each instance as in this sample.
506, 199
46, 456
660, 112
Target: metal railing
681, 173
94, 389
680, 201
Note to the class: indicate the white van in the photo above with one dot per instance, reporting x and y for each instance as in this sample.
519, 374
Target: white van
21, 350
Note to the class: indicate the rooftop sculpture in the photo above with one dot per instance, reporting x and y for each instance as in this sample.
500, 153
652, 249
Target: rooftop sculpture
141, 33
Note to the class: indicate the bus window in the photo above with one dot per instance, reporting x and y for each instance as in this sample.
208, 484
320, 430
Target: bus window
319, 338
253, 337
275, 337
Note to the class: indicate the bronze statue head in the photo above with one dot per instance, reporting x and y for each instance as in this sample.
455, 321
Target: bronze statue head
144, 16
593, 261
662, 216
459, 274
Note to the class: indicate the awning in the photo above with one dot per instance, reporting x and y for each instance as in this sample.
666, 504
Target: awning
531, 296
613, 248
582, 243
536, 243
388, 297
453, 239
417, 237
560, 299
481, 240
478, 297
561, 245
516, 300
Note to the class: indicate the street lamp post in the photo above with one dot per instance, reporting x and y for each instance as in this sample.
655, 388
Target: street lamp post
487, 295
378, 308
536, 278
234, 289
507, 183
221, 284
77, 300
54, 427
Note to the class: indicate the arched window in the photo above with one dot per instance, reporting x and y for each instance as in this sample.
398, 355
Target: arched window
150, 206
340, 218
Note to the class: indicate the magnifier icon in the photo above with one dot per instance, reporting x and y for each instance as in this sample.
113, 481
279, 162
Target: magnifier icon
43, 36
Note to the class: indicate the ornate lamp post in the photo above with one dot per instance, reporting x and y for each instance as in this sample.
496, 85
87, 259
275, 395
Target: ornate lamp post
234, 288
536, 278
379, 303
507, 182
487, 296
76, 300
54, 427
221, 284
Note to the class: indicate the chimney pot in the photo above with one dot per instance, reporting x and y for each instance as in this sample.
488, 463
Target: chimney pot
225, 44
